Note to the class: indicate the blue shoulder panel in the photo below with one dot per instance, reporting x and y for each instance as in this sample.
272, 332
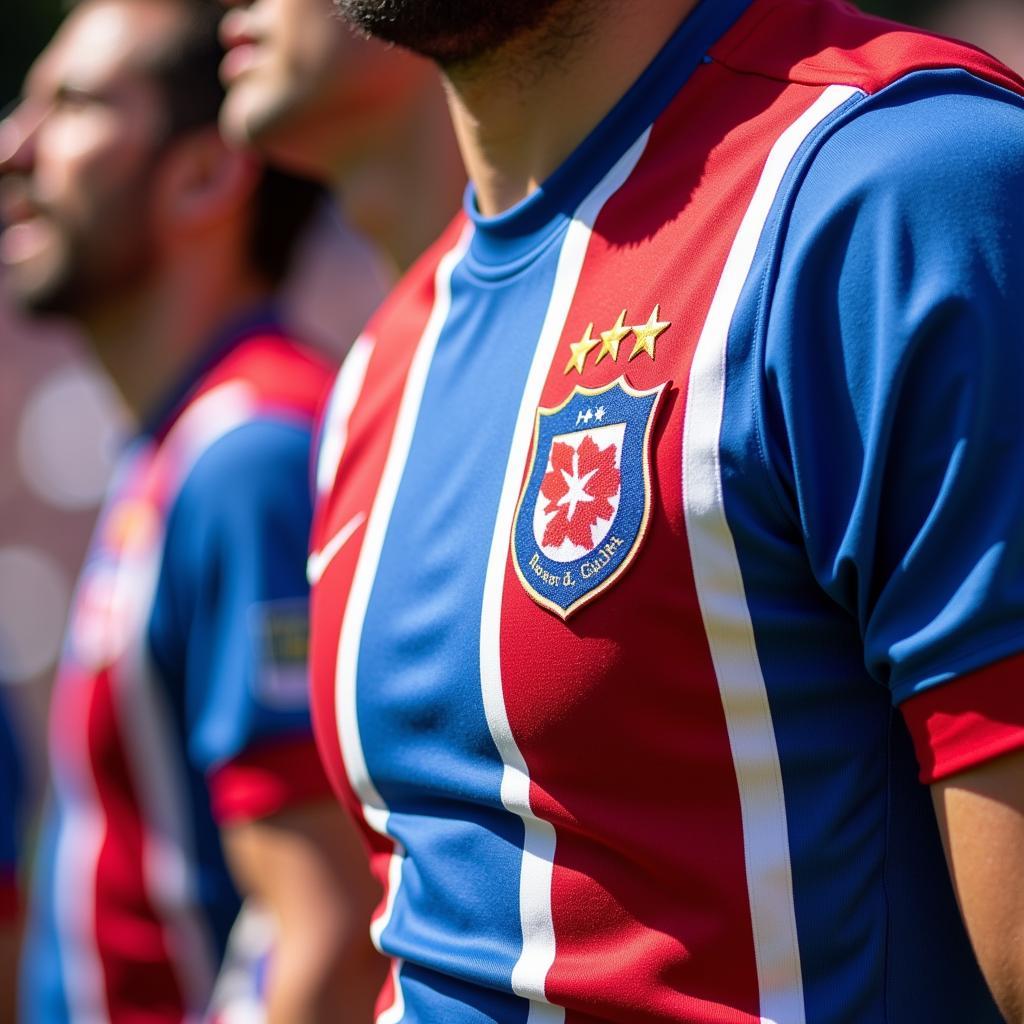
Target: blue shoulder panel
894, 371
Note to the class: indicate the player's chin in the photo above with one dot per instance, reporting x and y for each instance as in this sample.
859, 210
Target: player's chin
238, 123
34, 268
253, 114
276, 132
41, 291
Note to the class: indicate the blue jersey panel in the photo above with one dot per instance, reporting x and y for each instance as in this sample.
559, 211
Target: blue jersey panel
875, 385
230, 619
215, 889
12, 786
432, 758
431, 997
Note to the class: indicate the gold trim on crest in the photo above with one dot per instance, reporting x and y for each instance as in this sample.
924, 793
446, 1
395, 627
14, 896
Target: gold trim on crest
544, 602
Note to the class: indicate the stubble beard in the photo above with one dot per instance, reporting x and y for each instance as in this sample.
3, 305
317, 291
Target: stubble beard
98, 263
451, 32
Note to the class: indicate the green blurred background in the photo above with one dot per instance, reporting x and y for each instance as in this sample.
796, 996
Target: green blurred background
26, 25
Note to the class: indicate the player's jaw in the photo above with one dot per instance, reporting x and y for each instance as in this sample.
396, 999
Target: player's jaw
447, 32
58, 261
280, 56
304, 89
34, 248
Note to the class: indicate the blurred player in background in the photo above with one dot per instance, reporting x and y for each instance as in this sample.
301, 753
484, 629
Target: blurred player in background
12, 788
183, 767
371, 119
672, 527
994, 25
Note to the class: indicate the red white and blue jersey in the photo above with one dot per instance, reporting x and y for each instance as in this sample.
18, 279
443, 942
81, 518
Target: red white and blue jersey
650, 504
181, 702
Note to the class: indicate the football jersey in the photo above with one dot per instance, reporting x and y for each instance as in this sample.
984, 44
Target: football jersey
12, 794
181, 701
661, 515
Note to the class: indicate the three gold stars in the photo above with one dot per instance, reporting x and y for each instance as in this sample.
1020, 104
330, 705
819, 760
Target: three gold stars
645, 334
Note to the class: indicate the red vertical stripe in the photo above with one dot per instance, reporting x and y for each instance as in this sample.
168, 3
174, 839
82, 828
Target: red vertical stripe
139, 978
624, 734
370, 431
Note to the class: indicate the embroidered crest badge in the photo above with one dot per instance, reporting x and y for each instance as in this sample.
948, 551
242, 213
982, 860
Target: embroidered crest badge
587, 499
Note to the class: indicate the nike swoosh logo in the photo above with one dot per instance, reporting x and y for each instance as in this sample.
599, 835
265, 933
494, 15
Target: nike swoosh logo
318, 561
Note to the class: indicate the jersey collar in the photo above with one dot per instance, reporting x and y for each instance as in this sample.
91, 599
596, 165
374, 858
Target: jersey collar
260, 319
502, 243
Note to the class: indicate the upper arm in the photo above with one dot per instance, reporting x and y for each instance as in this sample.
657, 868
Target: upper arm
894, 366
309, 862
231, 618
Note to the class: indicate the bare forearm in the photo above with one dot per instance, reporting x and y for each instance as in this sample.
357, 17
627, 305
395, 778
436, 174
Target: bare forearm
981, 816
308, 869
310, 985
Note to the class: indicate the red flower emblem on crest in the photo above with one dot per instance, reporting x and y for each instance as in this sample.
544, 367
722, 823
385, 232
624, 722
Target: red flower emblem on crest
578, 488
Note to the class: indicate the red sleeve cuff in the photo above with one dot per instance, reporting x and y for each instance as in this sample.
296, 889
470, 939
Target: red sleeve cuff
970, 720
267, 779
10, 897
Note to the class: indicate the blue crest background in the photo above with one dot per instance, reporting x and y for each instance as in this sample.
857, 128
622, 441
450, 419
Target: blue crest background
635, 411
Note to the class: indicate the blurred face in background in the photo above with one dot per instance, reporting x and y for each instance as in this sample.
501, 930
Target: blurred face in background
303, 88
75, 158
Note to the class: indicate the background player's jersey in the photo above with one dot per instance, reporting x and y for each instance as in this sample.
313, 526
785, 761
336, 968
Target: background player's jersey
12, 792
240, 995
181, 699
644, 506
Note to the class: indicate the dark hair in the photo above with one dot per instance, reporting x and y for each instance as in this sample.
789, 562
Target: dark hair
186, 70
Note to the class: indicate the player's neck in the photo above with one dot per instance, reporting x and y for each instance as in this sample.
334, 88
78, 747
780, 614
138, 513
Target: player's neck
149, 339
403, 186
520, 112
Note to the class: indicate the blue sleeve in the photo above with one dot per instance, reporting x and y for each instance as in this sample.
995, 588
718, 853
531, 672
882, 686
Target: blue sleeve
231, 616
893, 353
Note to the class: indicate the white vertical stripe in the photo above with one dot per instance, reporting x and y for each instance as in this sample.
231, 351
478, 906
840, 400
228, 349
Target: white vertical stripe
146, 720
726, 616
168, 851
343, 400
346, 703
396, 1011
82, 829
538, 954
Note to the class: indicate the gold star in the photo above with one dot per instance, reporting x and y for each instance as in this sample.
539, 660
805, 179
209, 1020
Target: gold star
581, 349
648, 333
610, 340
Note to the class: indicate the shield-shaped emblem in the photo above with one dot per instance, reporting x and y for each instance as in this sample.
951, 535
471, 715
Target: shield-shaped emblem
587, 499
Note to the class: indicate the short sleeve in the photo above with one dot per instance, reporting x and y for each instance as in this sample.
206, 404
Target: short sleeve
231, 619
894, 410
